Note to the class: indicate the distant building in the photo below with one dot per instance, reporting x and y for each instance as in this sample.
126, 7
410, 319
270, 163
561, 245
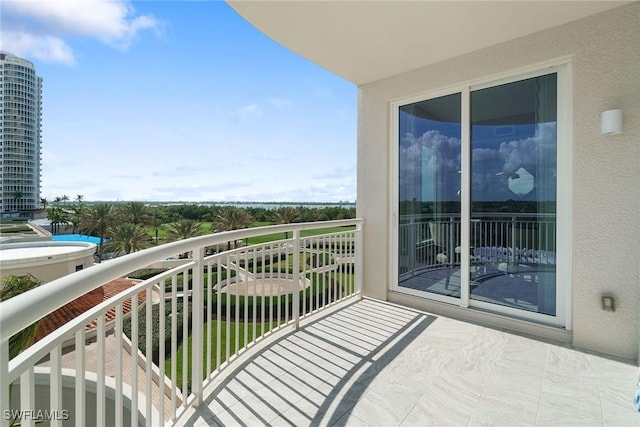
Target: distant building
20, 135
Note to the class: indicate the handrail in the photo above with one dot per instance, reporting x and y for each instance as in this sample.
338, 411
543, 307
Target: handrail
311, 286
31, 306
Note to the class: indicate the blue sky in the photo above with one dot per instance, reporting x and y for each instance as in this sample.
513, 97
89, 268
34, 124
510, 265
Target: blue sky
180, 100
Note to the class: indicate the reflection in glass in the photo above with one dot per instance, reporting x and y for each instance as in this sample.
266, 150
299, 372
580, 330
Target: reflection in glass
513, 194
429, 195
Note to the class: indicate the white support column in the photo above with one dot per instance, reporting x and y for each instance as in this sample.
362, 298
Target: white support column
80, 397
27, 396
4, 383
358, 261
197, 302
55, 386
296, 280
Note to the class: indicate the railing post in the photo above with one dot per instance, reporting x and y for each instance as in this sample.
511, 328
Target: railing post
451, 249
359, 256
412, 230
513, 239
5, 403
197, 303
296, 280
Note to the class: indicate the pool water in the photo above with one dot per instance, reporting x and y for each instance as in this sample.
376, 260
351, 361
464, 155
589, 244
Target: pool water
76, 238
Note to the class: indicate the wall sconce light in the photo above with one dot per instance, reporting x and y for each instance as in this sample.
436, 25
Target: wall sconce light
611, 122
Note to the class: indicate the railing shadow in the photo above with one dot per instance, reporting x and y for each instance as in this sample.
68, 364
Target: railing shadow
316, 375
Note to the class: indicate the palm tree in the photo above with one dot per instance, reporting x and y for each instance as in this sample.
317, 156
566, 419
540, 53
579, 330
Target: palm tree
74, 218
57, 216
135, 213
79, 198
10, 287
184, 229
97, 218
158, 220
127, 238
286, 216
64, 198
230, 218
44, 202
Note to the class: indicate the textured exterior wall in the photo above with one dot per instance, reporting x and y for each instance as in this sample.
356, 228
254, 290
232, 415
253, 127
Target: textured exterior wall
47, 273
606, 169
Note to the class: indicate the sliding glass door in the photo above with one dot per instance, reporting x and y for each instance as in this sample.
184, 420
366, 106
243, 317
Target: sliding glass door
513, 194
478, 178
429, 195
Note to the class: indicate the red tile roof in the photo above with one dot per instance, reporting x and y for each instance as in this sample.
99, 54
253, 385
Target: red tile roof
86, 302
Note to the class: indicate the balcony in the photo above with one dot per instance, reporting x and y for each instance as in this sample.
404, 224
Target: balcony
280, 334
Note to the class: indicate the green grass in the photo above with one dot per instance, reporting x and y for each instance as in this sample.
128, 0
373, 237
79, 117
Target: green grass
307, 298
233, 347
7, 228
206, 228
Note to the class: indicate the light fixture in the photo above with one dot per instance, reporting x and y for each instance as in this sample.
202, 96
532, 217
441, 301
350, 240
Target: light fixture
611, 122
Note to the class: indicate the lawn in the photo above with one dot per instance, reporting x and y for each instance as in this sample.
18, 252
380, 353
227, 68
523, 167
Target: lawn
223, 347
206, 228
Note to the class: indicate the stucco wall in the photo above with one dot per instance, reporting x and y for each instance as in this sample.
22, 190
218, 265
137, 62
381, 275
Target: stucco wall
606, 169
47, 273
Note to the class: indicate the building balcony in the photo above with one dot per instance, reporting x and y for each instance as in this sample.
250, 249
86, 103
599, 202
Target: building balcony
237, 332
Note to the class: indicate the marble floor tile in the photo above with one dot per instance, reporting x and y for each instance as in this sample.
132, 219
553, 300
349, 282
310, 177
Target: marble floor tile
375, 364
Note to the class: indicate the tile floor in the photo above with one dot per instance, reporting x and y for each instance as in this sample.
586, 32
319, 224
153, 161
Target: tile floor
370, 363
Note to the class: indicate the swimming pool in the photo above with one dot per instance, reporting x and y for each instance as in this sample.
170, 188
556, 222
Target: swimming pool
76, 238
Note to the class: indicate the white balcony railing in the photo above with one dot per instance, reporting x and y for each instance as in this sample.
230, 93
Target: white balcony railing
185, 325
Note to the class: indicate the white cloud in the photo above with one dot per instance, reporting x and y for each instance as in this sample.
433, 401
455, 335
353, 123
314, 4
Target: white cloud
249, 110
44, 48
39, 28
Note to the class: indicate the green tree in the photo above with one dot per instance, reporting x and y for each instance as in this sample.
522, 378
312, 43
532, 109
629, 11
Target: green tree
10, 287
158, 219
286, 216
135, 213
229, 218
56, 216
98, 219
74, 219
44, 202
184, 229
79, 198
126, 238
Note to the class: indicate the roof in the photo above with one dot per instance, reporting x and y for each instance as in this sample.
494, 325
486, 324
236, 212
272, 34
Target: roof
365, 41
86, 302
26, 254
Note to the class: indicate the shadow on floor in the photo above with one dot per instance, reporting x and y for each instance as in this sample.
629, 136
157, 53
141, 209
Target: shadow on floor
317, 374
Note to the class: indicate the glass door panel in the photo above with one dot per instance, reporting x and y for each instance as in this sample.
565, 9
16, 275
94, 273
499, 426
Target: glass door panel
429, 196
513, 194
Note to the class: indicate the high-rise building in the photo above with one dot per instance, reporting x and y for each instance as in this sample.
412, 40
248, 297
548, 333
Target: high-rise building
20, 133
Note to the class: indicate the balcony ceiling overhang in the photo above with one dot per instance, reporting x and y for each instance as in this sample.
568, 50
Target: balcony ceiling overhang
364, 41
